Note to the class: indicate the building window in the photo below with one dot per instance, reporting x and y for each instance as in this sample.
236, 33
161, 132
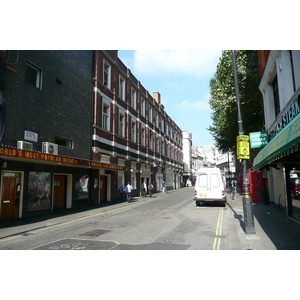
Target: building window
121, 88
150, 141
133, 98
156, 120
276, 96
143, 137
157, 145
133, 132
143, 108
121, 125
150, 115
64, 142
105, 117
106, 74
34, 75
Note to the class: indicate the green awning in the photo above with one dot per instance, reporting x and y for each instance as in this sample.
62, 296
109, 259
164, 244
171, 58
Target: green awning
283, 144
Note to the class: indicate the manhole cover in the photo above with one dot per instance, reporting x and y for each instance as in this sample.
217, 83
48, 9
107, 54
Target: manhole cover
95, 232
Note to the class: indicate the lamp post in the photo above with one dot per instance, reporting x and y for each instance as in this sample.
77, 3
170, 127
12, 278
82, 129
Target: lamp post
247, 200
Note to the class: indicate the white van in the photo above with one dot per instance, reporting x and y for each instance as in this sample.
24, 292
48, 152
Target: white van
209, 187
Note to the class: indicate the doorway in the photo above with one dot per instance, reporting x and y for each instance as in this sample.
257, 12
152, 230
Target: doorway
10, 196
59, 191
103, 188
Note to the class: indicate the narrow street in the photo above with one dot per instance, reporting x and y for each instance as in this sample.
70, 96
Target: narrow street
164, 222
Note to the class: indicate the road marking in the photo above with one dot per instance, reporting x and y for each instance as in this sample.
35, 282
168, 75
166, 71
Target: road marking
217, 241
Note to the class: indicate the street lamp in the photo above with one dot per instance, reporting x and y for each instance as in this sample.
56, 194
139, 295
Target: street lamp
247, 200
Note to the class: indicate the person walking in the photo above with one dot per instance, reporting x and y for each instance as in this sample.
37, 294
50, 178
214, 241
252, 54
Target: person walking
143, 189
163, 185
151, 188
121, 191
128, 189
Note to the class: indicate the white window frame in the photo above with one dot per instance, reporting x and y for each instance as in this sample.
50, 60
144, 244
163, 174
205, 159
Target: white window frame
121, 129
38, 76
143, 136
106, 116
133, 98
150, 115
108, 72
122, 88
133, 131
143, 107
150, 140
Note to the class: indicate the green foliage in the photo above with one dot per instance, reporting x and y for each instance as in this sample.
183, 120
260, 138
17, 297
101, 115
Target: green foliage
223, 99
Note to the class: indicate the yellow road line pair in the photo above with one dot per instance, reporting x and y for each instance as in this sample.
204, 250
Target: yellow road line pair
217, 241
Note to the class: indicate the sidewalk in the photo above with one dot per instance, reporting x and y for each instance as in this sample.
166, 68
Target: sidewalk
22, 226
273, 229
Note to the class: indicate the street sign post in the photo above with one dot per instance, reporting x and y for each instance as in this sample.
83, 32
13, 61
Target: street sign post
259, 139
242, 146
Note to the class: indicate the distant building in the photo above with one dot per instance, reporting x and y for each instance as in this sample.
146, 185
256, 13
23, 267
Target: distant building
187, 157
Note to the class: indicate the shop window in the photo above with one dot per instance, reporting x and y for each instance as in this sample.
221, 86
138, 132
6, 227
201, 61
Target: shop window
33, 75
81, 187
39, 191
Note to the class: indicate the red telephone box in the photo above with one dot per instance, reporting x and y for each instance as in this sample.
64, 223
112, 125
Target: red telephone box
256, 185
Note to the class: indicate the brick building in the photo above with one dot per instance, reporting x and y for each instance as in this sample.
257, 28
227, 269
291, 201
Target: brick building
132, 129
74, 126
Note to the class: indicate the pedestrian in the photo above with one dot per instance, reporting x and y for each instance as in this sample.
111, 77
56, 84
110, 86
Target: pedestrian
163, 185
121, 191
128, 189
151, 189
143, 189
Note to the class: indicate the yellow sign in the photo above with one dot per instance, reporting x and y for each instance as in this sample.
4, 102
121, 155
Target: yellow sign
243, 149
242, 138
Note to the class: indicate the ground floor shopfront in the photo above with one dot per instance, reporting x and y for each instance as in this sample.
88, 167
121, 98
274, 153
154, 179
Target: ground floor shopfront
35, 183
280, 163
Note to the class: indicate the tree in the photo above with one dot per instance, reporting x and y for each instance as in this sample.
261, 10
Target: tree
223, 100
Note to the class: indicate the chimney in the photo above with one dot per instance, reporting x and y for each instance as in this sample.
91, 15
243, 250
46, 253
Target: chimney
156, 96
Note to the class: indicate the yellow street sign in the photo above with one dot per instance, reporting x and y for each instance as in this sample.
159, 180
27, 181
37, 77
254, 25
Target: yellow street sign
243, 150
242, 138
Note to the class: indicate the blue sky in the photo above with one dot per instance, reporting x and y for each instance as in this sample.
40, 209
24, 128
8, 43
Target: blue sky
182, 79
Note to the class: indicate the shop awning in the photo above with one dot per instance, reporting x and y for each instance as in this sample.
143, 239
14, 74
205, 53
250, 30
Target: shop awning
283, 144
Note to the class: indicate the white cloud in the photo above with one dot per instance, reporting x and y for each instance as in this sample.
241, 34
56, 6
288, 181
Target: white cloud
197, 63
198, 105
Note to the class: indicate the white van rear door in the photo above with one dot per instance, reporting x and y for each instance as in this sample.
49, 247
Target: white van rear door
215, 185
202, 185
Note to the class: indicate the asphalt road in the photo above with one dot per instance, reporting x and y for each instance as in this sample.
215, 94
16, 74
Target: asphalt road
164, 222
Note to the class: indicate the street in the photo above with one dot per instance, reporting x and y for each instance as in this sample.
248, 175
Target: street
164, 222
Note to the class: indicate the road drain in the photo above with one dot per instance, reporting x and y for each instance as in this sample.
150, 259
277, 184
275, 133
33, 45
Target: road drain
96, 232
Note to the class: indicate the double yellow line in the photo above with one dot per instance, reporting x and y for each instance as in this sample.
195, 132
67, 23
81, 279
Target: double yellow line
217, 241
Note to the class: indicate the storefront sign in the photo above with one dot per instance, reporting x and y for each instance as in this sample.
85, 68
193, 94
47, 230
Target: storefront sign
18, 153
289, 114
259, 139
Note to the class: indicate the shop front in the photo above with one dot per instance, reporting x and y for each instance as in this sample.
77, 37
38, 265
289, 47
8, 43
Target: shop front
34, 183
281, 157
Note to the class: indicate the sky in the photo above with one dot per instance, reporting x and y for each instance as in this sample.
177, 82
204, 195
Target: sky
182, 79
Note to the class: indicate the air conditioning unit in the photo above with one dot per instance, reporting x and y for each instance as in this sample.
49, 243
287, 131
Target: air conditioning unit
25, 145
50, 148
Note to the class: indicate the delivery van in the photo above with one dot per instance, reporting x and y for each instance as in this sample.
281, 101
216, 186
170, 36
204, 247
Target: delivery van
209, 187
